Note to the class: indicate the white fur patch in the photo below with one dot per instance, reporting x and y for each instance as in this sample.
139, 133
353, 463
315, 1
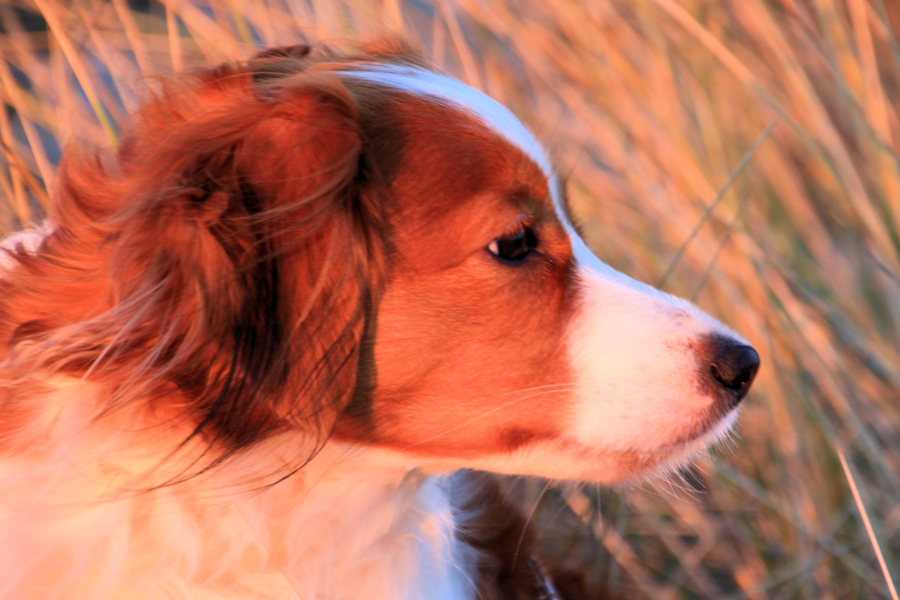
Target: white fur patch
30, 240
351, 524
501, 120
423, 82
498, 118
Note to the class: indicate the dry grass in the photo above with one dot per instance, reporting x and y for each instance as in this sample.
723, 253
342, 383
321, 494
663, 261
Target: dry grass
650, 105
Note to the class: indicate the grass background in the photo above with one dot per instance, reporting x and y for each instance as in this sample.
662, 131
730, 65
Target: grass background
742, 153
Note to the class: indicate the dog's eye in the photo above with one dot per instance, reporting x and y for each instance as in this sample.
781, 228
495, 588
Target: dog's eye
515, 246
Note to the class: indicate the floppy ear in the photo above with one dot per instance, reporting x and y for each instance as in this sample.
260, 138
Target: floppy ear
221, 262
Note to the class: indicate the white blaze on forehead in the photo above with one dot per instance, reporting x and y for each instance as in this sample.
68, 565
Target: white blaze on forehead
427, 83
497, 117
423, 82
29, 240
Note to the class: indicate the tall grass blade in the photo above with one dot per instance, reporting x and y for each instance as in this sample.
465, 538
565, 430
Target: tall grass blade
49, 12
712, 205
865, 517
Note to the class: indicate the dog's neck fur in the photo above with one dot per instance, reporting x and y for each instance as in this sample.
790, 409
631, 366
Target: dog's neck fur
352, 523
361, 527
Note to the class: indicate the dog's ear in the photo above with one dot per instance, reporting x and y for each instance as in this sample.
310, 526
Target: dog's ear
222, 259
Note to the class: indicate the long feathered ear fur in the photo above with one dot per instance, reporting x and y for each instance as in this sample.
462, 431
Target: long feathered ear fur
220, 263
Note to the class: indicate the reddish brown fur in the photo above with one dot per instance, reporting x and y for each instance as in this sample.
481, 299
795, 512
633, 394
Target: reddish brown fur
450, 359
260, 230
161, 258
221, 177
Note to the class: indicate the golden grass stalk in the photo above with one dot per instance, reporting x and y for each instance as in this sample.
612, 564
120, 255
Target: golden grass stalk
865, 517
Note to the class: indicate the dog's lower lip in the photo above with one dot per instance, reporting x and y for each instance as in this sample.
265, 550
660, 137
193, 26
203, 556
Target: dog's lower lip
709, 426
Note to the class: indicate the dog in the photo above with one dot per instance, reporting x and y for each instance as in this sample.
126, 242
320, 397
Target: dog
249, 348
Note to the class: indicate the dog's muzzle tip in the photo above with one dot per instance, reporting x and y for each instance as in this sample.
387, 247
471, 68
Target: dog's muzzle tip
734, 368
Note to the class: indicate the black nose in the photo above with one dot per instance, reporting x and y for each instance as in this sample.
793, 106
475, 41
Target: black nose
734, 367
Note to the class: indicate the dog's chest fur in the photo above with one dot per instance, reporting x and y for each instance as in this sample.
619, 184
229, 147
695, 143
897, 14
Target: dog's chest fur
353, 523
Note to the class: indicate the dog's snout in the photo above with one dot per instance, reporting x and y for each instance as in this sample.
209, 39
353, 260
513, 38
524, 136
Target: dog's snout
734, 368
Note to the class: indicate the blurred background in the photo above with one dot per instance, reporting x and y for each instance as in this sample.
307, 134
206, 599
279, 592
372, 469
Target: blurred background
741, 153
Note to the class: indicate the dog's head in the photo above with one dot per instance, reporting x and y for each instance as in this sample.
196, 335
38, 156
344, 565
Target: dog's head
362, 248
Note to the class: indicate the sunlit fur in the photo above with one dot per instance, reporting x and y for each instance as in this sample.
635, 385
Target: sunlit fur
247, 350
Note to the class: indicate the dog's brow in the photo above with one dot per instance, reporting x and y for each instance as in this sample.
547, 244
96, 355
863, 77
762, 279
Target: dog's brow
423, 82
427, 83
